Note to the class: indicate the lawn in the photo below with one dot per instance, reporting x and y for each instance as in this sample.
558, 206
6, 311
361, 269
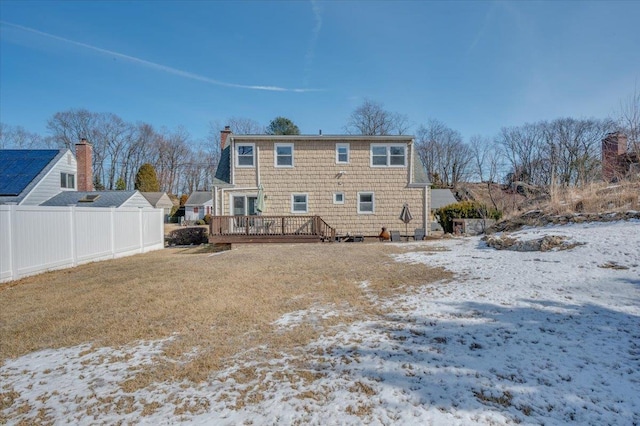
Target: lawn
440, 332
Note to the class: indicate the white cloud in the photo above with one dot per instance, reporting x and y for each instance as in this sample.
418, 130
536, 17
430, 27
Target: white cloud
159, 67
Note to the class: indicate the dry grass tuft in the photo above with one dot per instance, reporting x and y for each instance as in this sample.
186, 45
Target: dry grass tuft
214, 308
590, 198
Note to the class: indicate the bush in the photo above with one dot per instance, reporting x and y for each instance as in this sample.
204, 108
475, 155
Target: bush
464, 210
200, 222
188, 236
207, 219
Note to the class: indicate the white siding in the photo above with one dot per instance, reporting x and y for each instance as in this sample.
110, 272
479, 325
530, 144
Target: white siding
36, 239
189, 214
49, 185
136, 200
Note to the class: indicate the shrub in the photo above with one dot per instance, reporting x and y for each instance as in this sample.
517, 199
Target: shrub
207, 219
188, 236
200, 222
464, 210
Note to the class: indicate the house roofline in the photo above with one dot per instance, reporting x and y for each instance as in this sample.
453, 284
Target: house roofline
333, 138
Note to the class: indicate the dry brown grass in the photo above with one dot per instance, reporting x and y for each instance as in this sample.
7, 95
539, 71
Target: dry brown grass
591, 198
218, 305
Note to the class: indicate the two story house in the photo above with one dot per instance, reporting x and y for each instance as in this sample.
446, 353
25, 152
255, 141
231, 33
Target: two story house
356, 184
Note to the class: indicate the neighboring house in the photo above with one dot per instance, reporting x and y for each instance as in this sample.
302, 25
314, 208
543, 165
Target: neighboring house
199, 204
356, 184
98, 199
160, 200
617, 162
31, 176
52, 177
439, 198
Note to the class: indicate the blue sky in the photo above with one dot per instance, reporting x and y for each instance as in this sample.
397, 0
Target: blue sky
476, 66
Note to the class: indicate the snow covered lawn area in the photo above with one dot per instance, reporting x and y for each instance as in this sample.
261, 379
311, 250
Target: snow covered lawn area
515, 338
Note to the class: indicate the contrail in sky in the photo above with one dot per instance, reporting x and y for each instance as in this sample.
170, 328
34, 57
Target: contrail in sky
160, 67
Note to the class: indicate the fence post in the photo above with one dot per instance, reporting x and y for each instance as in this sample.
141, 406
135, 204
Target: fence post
12, 241
141, 232
112, 224
72, 230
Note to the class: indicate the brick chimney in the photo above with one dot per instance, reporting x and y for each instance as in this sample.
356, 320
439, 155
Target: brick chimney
614, 145
223, 136
84, 156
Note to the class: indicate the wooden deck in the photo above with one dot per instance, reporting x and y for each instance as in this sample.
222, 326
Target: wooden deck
269, 229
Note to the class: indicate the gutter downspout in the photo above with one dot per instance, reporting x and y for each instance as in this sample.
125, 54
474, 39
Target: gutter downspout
411, 153
232, 160
215, 200
257, 166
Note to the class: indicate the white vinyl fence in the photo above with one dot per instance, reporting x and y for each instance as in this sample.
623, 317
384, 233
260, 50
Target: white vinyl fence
35, 239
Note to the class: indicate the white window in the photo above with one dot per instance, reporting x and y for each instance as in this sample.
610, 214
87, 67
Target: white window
283, 155
366, 202
245, 155
388, 155
67, 180
338, 198
299, 203
342, 153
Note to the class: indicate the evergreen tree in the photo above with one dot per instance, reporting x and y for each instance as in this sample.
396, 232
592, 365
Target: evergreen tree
121, 185
146, 179
282, 126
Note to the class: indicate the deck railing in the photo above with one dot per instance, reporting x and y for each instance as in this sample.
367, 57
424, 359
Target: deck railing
270, 226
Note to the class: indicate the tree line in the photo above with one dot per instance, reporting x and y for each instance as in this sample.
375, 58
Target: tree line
564, 150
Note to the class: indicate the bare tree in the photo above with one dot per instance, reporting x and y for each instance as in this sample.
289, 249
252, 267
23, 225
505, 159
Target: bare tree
68, 127
444, 154
17, 137
565, 151
238, 125
629, 120
138, 152
371, 118
522, 147
480, 148
571, 155
171, 151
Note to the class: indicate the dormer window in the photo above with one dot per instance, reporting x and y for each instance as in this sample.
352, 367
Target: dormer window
67, 180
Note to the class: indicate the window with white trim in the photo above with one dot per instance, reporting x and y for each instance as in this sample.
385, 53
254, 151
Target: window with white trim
342, 153
299, 203
67, 180
245, 155
366, 202
283, 155
388, 155
338, 198
244, 205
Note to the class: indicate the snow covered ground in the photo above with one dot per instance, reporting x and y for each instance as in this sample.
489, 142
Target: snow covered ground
515, 338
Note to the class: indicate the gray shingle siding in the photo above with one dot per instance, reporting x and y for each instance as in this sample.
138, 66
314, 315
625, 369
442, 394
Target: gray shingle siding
223, 172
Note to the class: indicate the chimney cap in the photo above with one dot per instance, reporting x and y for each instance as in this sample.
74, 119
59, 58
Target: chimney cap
227, 128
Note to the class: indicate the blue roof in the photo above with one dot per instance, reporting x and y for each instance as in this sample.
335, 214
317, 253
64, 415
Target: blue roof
20, 167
